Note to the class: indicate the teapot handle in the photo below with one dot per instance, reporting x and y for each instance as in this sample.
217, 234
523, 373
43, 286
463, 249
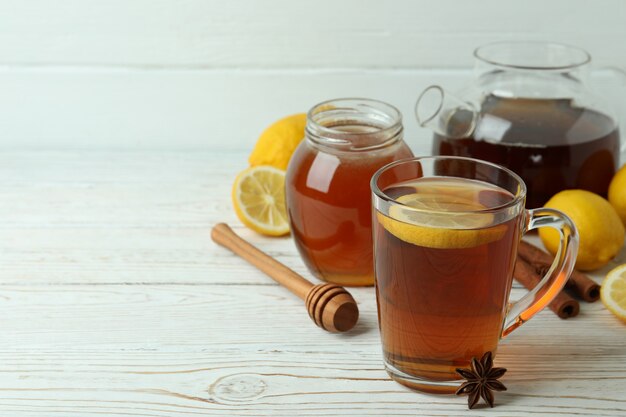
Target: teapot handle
435, 106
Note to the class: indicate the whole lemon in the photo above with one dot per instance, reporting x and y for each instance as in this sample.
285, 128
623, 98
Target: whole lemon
278, 142
617, 193
599, 227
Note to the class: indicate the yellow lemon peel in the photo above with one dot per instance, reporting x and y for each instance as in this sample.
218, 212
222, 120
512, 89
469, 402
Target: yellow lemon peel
613, 292
600, 229
278, 142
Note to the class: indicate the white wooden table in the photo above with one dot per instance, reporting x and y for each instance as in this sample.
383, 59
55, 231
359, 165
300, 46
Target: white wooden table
114, 301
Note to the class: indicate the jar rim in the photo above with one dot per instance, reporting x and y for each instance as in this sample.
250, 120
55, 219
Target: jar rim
532, 55
387, 129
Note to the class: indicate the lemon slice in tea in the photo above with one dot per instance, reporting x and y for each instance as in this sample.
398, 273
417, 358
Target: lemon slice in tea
442, 221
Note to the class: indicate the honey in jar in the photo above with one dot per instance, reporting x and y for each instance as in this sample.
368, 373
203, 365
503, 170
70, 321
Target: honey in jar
327, 186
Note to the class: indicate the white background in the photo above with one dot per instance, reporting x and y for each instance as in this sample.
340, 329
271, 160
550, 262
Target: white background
210, 75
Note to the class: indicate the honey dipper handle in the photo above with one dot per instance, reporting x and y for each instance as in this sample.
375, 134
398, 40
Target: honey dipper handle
225, 236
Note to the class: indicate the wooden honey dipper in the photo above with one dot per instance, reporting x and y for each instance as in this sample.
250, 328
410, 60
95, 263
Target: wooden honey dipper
330, 306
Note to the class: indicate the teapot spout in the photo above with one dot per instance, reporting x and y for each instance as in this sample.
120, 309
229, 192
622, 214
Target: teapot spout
445, 114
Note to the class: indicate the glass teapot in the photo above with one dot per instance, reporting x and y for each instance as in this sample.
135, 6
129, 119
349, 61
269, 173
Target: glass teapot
529, 110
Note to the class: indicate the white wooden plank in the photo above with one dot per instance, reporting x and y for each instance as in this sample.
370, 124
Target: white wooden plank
282, 33
183, 110
116, 217
229, 350
118, 303
134, 217
202, 110
143, 316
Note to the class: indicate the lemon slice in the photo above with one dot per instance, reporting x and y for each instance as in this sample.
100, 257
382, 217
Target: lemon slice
450, 224
434, 201
259, 199
613, 291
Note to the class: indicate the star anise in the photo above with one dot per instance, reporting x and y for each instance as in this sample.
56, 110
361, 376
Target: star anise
482, 379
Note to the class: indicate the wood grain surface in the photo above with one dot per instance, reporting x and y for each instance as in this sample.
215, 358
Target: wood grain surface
114, 301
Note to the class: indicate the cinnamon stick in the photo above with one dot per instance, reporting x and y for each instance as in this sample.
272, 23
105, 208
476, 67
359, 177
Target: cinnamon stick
563, 305
581, 284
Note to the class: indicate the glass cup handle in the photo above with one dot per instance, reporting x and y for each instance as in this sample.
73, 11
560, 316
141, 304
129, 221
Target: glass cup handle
522, 310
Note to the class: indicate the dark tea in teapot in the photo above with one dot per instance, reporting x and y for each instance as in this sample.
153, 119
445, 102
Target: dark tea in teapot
551, 143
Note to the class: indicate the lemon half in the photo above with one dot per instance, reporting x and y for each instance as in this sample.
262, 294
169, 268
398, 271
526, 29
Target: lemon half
259, 199
613, 291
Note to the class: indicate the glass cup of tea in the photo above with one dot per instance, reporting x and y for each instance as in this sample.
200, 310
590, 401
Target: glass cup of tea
446, 231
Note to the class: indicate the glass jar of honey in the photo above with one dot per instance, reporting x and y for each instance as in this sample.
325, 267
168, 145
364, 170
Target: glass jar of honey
327, 186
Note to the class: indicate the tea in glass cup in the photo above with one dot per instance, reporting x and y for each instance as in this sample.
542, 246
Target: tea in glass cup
446, 231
